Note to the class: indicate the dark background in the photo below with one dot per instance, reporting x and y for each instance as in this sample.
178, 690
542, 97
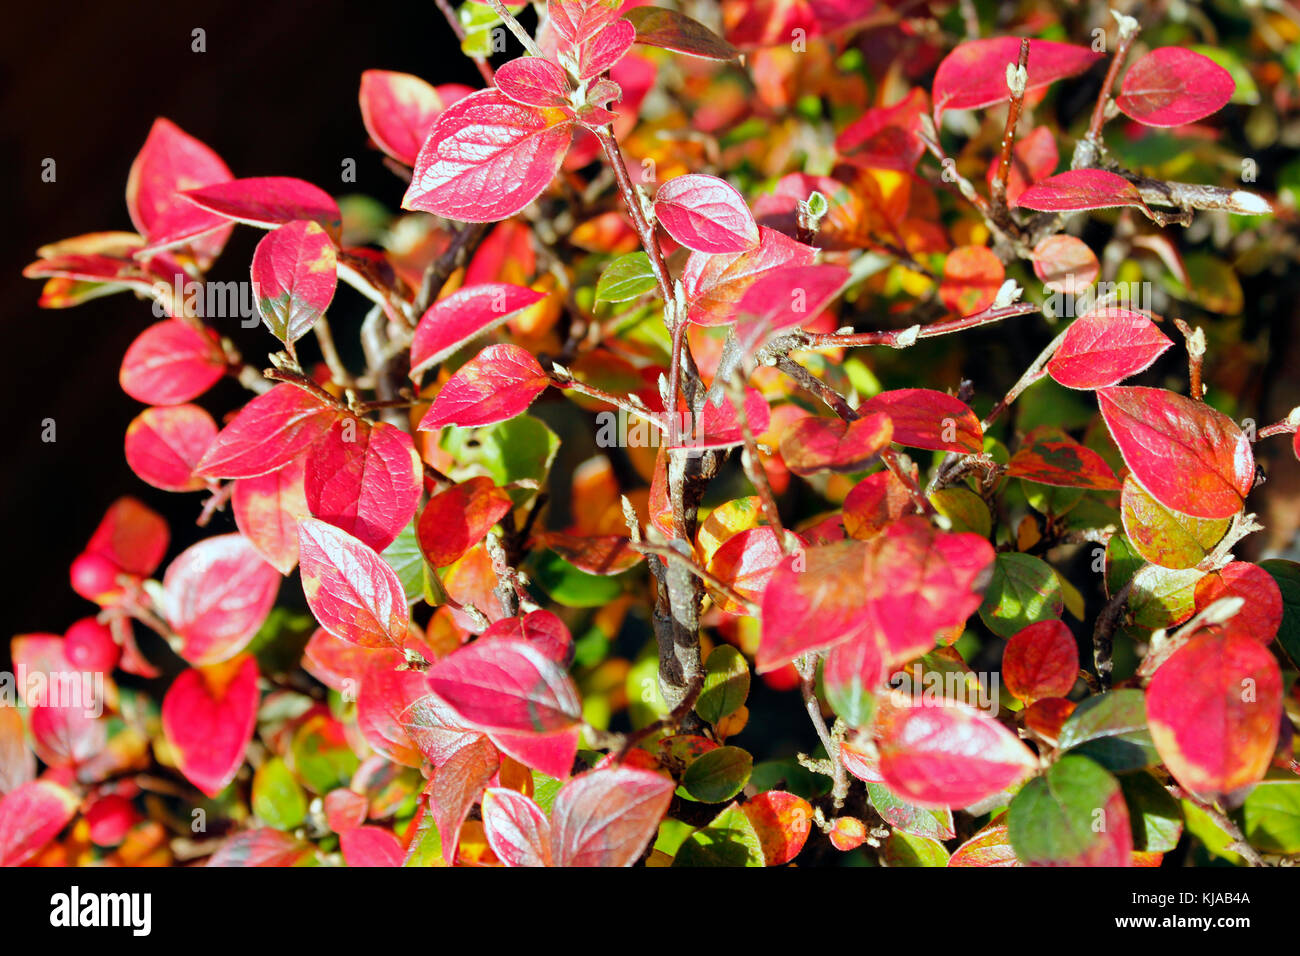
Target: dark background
274, 94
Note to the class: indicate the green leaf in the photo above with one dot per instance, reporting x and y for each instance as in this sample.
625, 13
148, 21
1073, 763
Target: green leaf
519, 449
1111, 729
1072, 815
1155, 816
908, 849
627, 277
426, 846
917, 821
1121, 563
718, 775
321, 755
1022, 591
1271, 816
965, 509
1162, 597
726, 684
729, 840
277, 798
1287, 576
404, 557
569, 585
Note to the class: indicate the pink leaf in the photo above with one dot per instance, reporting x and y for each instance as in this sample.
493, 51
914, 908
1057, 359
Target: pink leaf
170, 363
534, 81
716, 283
607, 817
498, 383
462, 316
487, 158
507, 685
540, 628
364, 478
267, 434
267, 509
399, 109
458, 779
605, 49
1078, 189
383, 697
354, 593
208, 718
516, 828
947, 754
371, 846
164, 444
925, 418
1171, 86
216, 595
705, 213
294, 274
270, 201
30, 817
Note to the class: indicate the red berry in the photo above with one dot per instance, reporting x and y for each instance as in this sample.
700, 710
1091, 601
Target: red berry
89, 645
94, 576
110, 817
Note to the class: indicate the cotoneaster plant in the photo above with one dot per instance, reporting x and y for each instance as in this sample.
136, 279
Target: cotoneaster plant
622, 436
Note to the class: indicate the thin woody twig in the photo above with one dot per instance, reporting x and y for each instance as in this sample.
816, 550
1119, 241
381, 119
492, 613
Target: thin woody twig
1017, 77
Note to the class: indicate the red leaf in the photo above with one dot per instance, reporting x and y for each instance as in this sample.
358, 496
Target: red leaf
1171, 86
208, 717
974, 74
267, 434
1183, 453
812, 601
1065, 264
516, 828
542, 629
216, 595
383, 697
462, 316
924, 418
1041, 661
1049, 456
782, 822
270, 201
716, 284
577, 21
607, 817
705, 213
457, 519
670, 30
886, 137
498, 383
371, 846
506, 685
132, 536
294, 274
260, 847
267, 509
353, 592
757, 23
746, 561
164, 445
947, 755
169, 160
551, 754
170, 363
345, 809
457, 782
603, 50
1214, 708
399, 109
63, 723
990, 847
875, 502
595, 554
364, 478
487, 157
1105, 347
788, 297
1078, 189
972, 276
814, 444
1261, 615
718, 426
920, 584
30, 817
534, 81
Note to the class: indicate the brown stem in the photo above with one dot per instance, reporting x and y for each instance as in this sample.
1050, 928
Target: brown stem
807, 668
484, 68
1014, 106
902, 338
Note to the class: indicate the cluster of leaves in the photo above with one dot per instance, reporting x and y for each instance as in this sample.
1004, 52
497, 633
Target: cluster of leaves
462, 691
